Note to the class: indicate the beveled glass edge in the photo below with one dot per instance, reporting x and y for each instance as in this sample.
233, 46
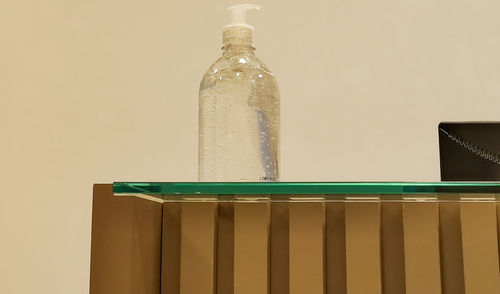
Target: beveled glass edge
304, 188
440, 197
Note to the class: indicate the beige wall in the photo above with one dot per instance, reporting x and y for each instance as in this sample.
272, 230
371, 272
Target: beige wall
99, 91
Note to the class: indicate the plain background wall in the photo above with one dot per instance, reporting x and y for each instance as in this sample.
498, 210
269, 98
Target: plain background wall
105, 90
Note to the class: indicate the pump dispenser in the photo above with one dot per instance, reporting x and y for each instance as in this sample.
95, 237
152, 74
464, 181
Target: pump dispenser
238, 31
239, 115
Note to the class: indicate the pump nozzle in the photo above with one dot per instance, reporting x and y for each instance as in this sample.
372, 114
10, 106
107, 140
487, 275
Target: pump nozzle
238, 32
238, 14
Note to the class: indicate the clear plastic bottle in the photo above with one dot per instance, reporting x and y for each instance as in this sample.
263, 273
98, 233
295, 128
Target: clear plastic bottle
239, 118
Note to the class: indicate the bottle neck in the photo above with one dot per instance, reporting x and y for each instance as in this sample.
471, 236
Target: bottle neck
234, 49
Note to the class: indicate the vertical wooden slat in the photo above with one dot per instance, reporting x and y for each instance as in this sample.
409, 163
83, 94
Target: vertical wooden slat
126, 244
421, 239
279, 248
307, 247
335, 248
171, 248
452, 269
497, 205
251, 247
480, 247
363, 268
198, 223
393, 256
225, 248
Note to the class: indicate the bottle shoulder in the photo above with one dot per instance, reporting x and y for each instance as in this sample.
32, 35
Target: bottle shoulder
238, 67
238, 62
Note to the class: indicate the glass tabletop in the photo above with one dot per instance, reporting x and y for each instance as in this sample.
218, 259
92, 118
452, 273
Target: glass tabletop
304, 190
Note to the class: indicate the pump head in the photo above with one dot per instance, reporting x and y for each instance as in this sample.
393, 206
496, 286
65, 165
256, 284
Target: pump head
239, 14
238, 31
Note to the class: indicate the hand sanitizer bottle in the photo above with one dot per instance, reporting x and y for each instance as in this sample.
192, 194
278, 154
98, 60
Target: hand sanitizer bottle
239, 118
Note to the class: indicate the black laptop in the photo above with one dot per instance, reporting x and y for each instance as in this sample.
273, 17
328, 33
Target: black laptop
469, 151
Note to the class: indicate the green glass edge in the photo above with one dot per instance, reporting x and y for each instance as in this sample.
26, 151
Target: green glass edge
223, 188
